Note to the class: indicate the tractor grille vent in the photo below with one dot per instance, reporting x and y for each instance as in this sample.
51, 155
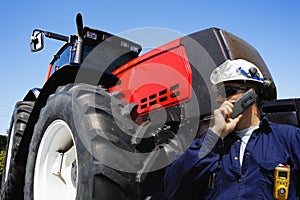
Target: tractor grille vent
162, 97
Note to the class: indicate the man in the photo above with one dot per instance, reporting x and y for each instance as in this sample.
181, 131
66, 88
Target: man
236, 158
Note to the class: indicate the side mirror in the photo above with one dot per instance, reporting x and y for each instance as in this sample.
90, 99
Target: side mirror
37, 40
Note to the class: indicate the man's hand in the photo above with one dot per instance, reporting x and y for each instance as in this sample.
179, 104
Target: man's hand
223, 123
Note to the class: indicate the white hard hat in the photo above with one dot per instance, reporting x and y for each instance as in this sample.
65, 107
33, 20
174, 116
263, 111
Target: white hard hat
235, 70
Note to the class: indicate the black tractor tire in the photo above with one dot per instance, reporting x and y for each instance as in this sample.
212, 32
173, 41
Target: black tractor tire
13, 174
83, 114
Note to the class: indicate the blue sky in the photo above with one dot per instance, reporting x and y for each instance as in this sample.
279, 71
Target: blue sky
272, 27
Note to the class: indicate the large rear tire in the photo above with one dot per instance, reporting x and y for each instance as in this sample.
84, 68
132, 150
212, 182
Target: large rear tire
74, 134
13, 174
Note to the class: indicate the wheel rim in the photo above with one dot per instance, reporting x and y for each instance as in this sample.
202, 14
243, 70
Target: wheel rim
54, 176
9, 152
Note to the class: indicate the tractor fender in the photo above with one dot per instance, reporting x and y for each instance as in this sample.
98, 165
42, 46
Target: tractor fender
32, 94
65, 75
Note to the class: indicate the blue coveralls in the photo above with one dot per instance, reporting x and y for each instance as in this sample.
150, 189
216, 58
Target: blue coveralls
219, 175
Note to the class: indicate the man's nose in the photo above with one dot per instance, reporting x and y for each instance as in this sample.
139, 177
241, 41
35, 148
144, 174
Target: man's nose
219, 100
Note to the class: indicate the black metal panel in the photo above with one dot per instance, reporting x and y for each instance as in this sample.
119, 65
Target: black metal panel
208, 49
285, 111
205, 53
238, 48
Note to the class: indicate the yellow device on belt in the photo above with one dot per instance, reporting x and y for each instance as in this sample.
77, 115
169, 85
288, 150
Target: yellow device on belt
281, 181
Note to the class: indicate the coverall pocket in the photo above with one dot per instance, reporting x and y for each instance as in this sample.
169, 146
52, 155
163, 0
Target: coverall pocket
265, 183
214, 185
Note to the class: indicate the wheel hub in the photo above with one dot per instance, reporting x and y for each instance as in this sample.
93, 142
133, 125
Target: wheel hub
55, 173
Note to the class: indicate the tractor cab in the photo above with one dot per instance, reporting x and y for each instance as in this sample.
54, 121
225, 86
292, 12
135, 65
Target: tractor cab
112, 51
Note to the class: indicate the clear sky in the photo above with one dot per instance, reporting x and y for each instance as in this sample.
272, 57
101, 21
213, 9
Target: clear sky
272, 27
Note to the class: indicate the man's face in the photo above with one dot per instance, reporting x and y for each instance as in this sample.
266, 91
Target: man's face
230, 92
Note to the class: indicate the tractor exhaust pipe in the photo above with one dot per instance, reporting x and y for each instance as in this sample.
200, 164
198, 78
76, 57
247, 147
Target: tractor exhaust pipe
79, 52
79, 23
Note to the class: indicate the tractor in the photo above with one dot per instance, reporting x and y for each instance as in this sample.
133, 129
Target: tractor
108, 121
